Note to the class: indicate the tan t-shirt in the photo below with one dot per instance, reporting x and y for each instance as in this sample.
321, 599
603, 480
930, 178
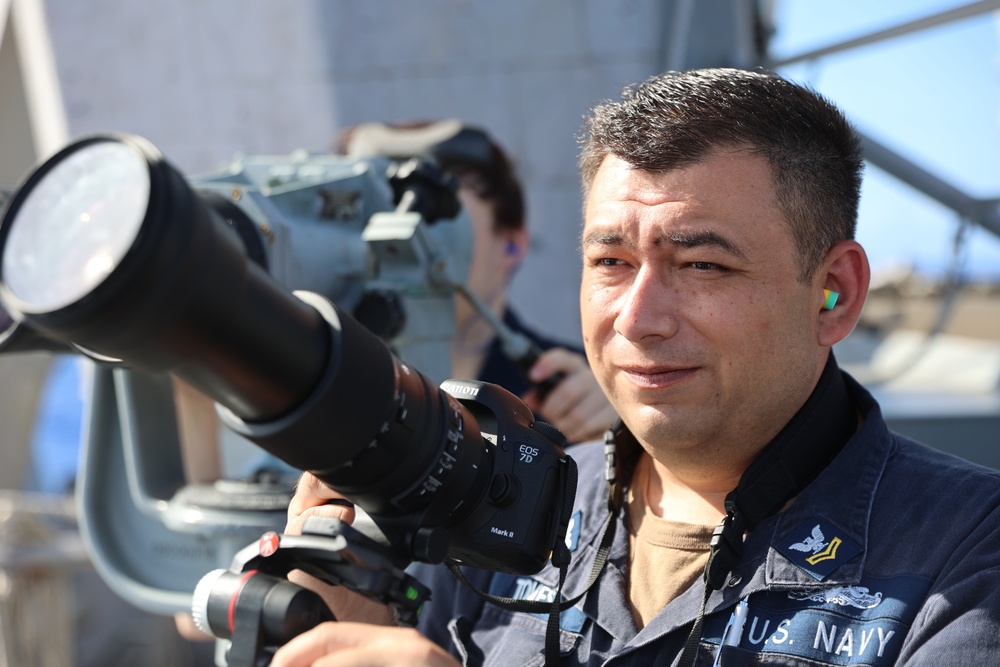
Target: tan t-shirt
665, 557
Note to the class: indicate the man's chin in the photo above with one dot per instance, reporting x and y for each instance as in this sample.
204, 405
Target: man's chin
655, 424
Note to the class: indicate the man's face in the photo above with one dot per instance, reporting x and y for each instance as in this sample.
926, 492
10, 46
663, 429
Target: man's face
694, 318
491, 264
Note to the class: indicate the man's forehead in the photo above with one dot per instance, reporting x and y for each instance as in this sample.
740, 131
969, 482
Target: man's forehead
617, 179
724, 183
736, 162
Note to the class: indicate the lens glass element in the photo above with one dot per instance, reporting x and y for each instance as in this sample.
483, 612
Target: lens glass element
75, 226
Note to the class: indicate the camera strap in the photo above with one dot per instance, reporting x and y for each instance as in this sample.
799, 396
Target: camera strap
792, 460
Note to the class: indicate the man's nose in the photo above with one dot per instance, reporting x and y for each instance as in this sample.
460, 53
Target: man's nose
648, 308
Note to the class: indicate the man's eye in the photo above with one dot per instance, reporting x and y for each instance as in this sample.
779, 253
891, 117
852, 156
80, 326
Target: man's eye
608, 261
708, 266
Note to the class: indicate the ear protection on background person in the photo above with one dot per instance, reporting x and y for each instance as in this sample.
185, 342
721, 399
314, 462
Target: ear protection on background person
831, 299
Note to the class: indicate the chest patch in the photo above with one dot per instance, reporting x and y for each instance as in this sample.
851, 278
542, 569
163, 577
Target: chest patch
839, 625
818, 548
529, 588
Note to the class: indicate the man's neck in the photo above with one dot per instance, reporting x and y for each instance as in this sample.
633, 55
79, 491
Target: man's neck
696, 492
690, 499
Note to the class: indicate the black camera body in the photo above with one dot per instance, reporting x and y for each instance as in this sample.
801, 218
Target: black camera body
511, 531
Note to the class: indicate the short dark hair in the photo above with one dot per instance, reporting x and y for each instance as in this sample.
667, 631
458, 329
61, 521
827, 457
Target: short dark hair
487, 171
467, 152
678, 118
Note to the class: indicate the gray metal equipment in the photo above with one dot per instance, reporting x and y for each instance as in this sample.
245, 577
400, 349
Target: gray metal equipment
350, 230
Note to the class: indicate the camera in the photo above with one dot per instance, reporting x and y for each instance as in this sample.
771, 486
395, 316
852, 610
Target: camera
110, 250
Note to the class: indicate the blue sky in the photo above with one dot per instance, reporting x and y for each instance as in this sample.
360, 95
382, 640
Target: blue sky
933, 96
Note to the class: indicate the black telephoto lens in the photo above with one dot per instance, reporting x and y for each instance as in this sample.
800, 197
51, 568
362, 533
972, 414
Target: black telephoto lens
106, 246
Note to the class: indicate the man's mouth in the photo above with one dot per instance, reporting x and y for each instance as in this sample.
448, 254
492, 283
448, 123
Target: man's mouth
657, 377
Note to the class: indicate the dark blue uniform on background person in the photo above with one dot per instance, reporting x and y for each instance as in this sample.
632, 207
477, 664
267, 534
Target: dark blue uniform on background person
499, 369
761, 512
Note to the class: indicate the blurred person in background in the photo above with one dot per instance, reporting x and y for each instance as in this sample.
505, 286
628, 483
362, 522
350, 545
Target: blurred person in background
492, 195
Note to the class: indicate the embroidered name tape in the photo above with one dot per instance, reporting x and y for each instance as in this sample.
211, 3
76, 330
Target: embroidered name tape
529, 588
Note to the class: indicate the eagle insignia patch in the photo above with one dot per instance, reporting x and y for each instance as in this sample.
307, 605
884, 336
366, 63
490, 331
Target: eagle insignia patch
818, 547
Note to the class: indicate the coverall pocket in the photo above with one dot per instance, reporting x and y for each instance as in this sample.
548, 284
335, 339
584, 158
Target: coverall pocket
501, 638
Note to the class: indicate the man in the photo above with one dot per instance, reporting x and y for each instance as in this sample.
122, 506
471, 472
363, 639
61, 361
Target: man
493, 198
719, 269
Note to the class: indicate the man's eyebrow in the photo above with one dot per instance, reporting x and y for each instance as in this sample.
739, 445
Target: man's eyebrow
687, 240
605, 238
702, 238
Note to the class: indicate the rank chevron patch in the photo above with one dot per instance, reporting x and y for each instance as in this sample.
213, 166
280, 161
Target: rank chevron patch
818, 547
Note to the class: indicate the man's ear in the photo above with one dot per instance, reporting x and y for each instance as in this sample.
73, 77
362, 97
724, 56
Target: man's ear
845, 270
516, 246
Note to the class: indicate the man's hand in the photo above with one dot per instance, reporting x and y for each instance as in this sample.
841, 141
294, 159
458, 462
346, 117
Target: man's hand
577, 406
361, 645
314, 498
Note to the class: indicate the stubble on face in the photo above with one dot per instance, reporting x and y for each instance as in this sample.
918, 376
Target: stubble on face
694, 317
